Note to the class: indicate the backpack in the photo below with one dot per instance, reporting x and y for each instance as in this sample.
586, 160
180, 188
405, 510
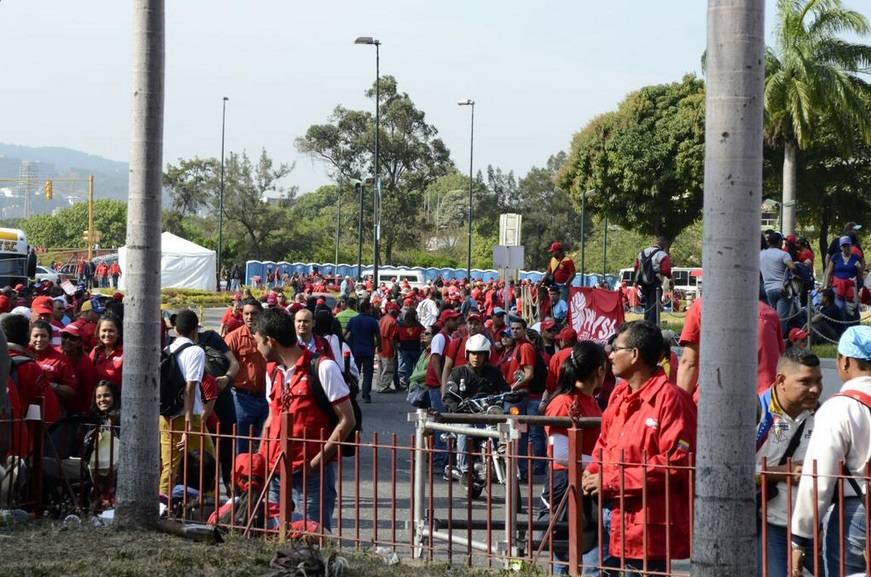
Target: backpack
327, 407
172, 383
646, 273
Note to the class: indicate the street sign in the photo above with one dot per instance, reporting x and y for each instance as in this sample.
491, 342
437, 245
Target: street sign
508, 256
509, 229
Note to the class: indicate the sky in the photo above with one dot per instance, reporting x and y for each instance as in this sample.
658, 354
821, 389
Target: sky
538, 71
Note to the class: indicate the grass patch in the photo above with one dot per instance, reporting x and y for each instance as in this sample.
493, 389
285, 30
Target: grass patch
46, 549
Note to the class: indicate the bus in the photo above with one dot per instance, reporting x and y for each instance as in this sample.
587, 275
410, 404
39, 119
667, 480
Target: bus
16, 262
684, 279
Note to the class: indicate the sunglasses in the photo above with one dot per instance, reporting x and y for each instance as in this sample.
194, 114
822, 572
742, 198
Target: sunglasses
70, 337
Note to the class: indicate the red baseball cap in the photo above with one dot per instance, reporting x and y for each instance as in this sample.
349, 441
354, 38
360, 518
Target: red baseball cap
42, 306
475, 316
19, 288
5, 305
447, 315
555, 247
294, 307
408, 302
568, 335
118, 296
797, 334
548, 325
72, 329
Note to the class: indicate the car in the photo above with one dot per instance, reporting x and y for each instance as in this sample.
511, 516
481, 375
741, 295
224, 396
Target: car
45, 273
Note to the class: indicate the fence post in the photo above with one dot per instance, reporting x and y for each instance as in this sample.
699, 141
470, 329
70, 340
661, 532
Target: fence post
658, 305
38, 431
285, 471
810, 314
419, 495
576, 510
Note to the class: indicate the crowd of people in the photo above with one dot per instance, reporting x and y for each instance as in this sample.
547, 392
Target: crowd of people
297, 349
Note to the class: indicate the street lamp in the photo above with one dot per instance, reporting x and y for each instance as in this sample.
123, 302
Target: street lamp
471, 103
358, 186
221, 201
368, 40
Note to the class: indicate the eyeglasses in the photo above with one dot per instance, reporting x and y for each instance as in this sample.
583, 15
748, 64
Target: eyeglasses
615, 349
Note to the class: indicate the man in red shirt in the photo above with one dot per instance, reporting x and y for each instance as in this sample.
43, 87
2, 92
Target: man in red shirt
291, 391
649, 423
249, 377
769, 348
518, 373
43, 310
232, 319
389, 327
115, 272
561, 269
455, 355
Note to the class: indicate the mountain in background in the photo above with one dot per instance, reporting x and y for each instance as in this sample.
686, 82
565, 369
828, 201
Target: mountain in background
110, 177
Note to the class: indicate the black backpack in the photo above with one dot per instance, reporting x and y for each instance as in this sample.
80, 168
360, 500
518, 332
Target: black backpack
327, 407
172, 383
646, 274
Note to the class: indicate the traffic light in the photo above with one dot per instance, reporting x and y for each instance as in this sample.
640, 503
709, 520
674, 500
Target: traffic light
49, 190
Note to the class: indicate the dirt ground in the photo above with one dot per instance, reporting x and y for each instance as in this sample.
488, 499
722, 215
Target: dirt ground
47, 549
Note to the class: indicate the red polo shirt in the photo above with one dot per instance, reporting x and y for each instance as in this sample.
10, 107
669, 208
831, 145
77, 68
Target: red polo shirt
58, 369
522, 355
575, 404
389, 334
659, 421
251, 377
231, 320
109, 366
555, 368
31, 384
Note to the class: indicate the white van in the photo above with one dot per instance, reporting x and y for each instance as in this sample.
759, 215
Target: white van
684, 279
387, 274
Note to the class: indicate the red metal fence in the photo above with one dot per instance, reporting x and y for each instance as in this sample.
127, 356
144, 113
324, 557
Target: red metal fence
391, 494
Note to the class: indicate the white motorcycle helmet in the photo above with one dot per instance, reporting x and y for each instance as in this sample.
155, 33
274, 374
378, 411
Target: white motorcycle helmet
478, 344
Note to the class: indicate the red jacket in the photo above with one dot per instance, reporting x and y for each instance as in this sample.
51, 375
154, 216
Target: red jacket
31, 384
659, 421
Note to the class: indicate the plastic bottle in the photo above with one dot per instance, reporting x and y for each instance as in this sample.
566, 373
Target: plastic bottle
12, 517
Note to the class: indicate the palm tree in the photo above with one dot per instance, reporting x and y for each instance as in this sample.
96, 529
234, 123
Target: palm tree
725, 496
138, 466
814, 77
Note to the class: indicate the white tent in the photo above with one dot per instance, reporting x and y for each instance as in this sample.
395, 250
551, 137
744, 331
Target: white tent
183, 264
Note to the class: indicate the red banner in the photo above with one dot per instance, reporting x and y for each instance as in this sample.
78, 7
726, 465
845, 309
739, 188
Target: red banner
595, 313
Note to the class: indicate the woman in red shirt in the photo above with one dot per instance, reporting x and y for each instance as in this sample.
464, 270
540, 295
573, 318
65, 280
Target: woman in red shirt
582, 376
58, 370
108, 355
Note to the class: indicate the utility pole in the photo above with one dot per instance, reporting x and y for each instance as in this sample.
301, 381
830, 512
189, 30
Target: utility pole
724, 545
221, 201
139, 462
91, 239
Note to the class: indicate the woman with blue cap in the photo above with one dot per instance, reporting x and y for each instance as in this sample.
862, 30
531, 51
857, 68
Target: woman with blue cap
842, 275
842, 433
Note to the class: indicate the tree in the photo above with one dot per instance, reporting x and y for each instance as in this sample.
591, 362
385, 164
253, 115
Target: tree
725, 503
412, 156
814, 79
246, 187
64, 229
645, 159
192, 184
139, 462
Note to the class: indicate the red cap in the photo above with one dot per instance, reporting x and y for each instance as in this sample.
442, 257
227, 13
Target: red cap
72, 329
448, 314
42, 306
5, 305
791, 239
797, 334
391, 306
473, 317
548, 325
408, 303
555, 247
19, 288
294, 307
118, 296
568, 336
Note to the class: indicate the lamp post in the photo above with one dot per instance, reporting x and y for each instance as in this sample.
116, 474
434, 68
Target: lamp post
221, 198
359, 186
368, 40
471, 103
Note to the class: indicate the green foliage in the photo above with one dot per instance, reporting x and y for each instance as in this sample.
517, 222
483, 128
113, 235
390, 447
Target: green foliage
192, 184
66, 227
411, 157
813, 77
645, 160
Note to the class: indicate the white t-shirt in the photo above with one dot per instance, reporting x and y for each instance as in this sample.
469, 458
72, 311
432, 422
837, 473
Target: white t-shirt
438, 344
192, 364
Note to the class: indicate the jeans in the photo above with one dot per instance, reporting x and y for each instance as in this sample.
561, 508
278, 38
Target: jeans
593, 558
225, 410
365, 363
854, 544
538, 438
318, 508
251, 412
778, 550
234, 284
782, 304
440, 457
651, 303
407, 362
522, 463
634, 567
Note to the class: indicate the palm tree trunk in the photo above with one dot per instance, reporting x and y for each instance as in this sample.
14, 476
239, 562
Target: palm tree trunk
139, 463
725, 510
790, 168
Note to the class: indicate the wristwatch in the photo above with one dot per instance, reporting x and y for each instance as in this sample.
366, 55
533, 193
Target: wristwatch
799, 551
